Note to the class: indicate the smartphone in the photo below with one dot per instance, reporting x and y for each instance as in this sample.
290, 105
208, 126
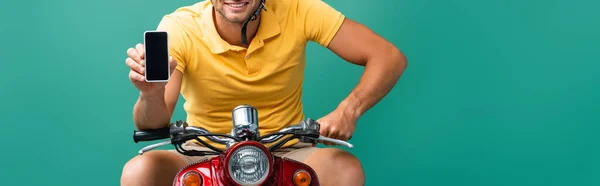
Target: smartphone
156, 44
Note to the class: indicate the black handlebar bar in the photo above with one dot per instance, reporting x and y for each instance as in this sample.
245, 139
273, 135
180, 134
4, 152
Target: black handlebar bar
151, 134
179, 132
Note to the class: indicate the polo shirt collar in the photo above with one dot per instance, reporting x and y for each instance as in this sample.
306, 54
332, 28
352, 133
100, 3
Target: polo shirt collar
269, 27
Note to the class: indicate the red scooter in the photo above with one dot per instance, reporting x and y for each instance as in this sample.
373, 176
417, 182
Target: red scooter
245, 160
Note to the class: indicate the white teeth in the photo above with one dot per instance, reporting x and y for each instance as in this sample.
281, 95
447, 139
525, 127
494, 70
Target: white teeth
237, 5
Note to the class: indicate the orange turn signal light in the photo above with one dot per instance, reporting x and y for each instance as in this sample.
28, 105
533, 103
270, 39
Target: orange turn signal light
302, 178
192, 179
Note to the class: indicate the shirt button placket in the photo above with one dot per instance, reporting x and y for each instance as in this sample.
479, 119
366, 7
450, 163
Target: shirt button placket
249, 66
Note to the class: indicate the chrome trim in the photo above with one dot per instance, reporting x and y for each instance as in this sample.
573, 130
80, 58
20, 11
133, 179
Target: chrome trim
245, 122
339, 142
192, 172
266, 154
153, 146
302, 170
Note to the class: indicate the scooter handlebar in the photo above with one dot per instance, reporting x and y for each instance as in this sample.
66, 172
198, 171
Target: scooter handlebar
307, 131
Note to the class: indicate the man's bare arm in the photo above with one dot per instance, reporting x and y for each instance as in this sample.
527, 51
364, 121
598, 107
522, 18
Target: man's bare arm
157, 101
384, 64
155, 110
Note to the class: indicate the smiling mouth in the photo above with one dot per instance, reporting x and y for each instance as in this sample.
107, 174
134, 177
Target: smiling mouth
236, 5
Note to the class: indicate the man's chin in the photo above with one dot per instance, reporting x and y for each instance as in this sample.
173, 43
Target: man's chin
237, 20
234, 18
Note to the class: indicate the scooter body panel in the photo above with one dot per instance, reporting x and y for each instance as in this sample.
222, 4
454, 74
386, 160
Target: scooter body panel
213, 174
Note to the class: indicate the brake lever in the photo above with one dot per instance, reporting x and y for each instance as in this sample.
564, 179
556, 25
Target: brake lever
336, 141
153, 146
311, 125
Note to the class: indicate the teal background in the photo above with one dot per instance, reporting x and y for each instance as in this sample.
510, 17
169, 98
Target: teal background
496, 92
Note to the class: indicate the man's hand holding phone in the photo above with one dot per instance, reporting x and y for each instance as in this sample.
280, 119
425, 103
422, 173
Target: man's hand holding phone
136, 62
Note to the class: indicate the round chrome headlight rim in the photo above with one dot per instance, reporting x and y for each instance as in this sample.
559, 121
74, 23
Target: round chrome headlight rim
245, 152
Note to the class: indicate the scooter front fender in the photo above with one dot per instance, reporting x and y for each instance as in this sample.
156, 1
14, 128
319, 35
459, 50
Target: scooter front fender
211, 173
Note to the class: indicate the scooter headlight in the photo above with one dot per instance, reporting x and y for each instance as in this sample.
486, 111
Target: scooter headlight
248, 165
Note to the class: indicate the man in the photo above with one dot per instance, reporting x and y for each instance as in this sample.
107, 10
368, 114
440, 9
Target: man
217, 65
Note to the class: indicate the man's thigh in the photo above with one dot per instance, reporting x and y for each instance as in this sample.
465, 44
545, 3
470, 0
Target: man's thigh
298, 151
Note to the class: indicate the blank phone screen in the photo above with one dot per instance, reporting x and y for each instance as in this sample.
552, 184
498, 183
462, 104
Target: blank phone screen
157, 56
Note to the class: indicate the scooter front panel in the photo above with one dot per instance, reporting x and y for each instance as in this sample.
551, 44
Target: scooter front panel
290, 167
206, 169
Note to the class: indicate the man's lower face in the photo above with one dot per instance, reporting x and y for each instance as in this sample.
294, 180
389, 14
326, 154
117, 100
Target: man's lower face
235, 11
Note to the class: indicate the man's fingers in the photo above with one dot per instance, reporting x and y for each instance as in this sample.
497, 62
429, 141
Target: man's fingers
324, 131
135, 66
334, 134
329, 132
140, 50
345, 137
135, 77
133, 54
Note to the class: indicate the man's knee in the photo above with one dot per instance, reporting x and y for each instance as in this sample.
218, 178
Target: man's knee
337, 166
350, 166
134, 170
152, 168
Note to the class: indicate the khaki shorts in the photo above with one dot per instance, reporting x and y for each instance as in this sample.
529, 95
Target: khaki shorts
298, 152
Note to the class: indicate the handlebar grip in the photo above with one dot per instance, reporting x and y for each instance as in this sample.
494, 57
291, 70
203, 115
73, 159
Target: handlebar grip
151, 134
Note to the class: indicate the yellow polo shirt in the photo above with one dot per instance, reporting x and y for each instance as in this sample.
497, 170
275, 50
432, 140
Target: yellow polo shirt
268, 74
